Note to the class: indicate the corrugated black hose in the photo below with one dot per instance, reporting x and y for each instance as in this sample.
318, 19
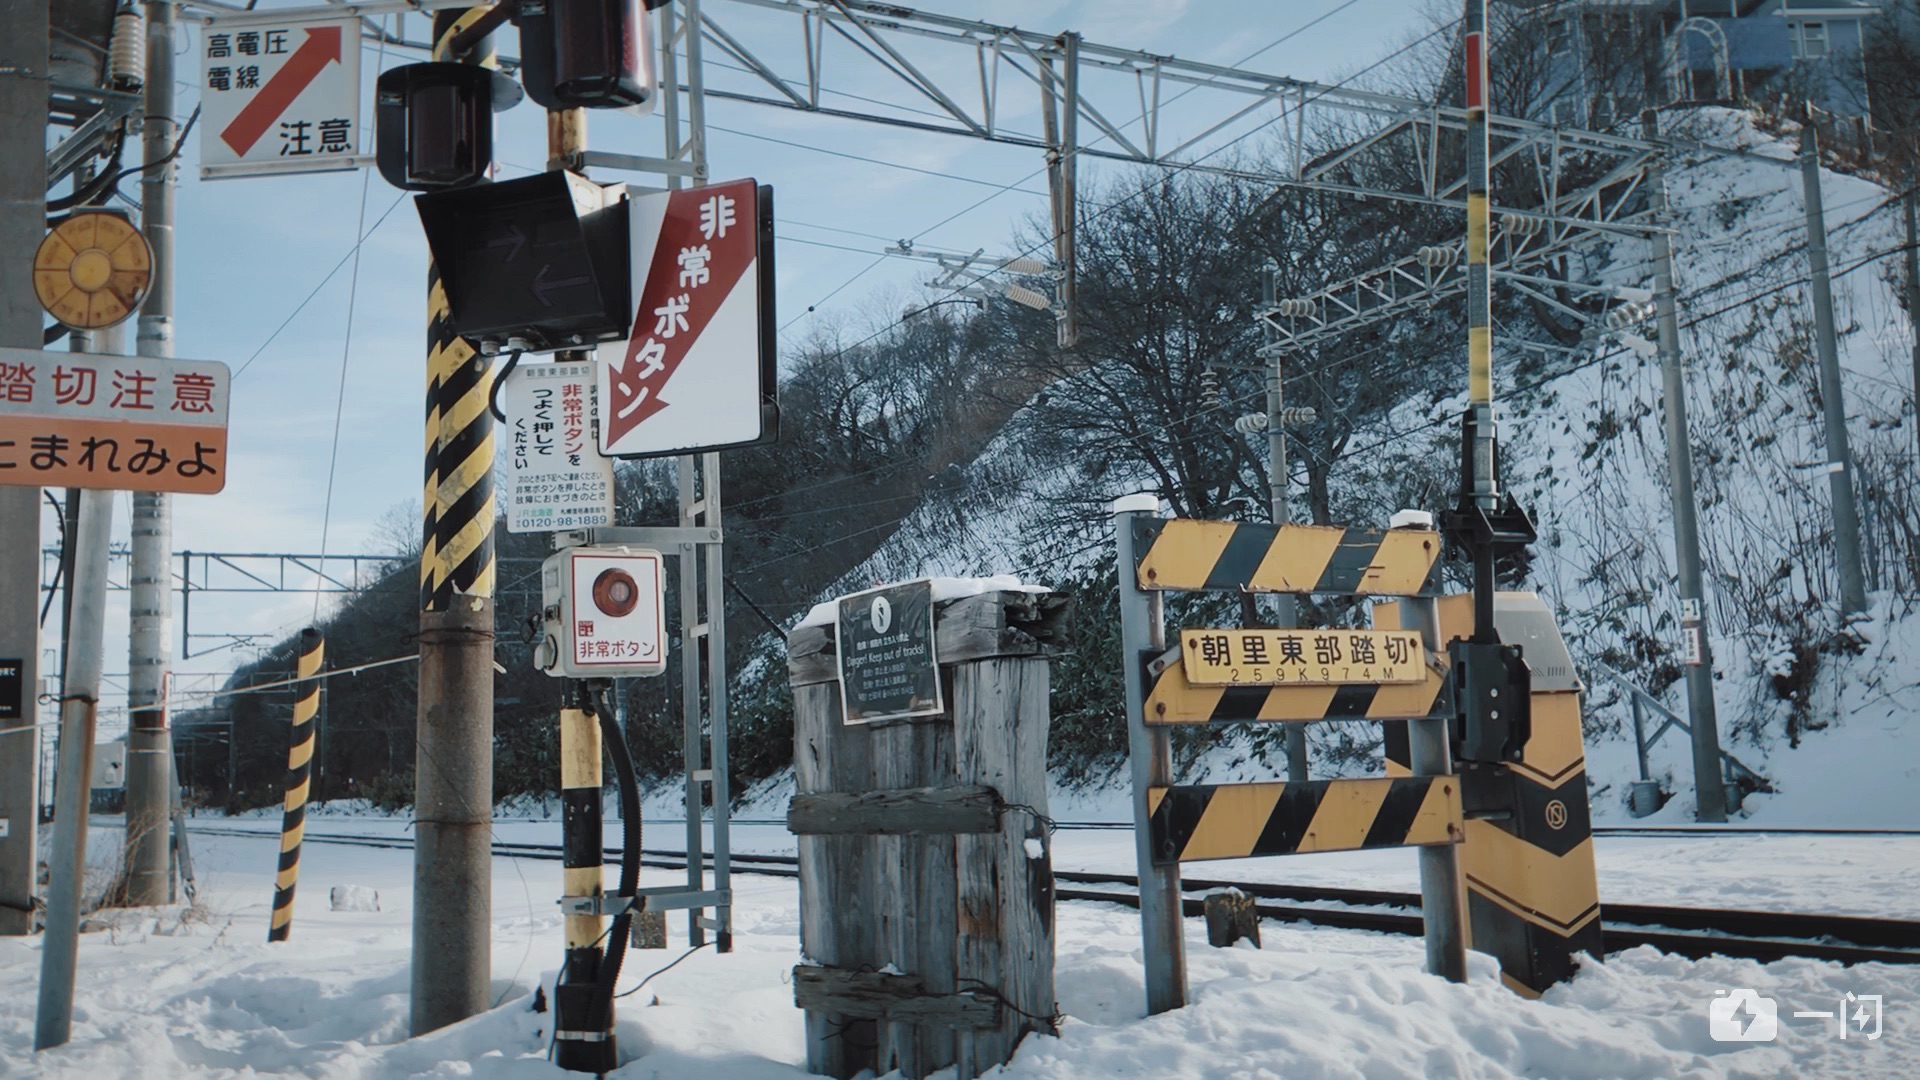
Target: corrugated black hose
615, 742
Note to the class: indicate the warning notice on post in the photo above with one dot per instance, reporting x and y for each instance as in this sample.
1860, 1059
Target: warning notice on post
888, 670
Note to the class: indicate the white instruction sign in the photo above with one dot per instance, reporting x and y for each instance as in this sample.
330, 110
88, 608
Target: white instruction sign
556, 477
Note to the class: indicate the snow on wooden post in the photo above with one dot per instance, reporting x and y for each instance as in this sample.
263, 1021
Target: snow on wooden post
926, 879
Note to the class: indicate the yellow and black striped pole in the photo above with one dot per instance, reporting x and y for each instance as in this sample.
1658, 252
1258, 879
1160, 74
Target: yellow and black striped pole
583, 1032
457, 504
293, 818
1483, 482
453, 770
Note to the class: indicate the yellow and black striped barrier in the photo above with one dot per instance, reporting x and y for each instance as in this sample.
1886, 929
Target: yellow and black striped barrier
457, 503
293, 819
1533, 896
457, 555
1238, 821
1227, 556
1172, 699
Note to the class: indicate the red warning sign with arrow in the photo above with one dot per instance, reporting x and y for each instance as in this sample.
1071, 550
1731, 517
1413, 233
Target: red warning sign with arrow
691, 375
279, 97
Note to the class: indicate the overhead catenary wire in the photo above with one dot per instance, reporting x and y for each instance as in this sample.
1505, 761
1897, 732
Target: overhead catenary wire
1176, 169
346, 352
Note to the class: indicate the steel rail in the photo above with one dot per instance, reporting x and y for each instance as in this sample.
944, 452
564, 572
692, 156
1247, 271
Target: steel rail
1693, 932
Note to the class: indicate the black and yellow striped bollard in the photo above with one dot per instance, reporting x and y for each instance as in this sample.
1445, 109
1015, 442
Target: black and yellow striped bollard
293, 821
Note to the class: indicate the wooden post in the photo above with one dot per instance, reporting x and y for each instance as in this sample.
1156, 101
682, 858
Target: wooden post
926, 881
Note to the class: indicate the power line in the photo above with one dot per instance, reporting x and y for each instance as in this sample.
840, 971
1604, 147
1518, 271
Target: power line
1096, 142
302, 306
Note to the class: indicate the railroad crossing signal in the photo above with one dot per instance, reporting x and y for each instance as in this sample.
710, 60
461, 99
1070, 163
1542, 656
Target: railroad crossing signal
537, 263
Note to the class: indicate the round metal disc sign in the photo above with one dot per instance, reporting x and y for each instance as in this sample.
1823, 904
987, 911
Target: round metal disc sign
92, 270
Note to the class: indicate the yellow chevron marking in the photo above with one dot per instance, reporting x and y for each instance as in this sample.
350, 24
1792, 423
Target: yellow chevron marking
1531, 918
1173, 700
1553, 750
456, 479
1155, 796
445, 358
470, 538
1408, 700
288, 878
1438, 820
437, 307
483, 581
1395, 770
1233, 820
292, 837
1519, 987
1401, 566
1297, 702
300, 753
1345, 815
1296, 558
460, 415
1555, 892
1185, 551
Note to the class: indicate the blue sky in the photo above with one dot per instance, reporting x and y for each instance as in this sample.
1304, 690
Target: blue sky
251, 250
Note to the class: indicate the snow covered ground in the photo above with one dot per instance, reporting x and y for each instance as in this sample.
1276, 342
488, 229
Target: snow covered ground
205, 996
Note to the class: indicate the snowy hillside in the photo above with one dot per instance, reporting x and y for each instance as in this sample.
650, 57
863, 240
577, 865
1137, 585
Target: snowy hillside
1584, 448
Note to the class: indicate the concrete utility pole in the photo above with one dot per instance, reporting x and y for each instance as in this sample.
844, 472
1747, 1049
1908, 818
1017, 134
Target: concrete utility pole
149, 743
1710, 793
453, 770
23, 220
79, 704
1846, 519
1286, 605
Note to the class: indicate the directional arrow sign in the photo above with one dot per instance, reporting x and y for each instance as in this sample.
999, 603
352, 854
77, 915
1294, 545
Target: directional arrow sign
279, 97
695, 370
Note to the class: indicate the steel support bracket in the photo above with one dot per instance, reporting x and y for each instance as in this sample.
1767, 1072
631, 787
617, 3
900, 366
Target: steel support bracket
663, 537
661, 898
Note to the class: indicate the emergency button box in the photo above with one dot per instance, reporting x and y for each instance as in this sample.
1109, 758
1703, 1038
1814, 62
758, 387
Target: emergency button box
602, 614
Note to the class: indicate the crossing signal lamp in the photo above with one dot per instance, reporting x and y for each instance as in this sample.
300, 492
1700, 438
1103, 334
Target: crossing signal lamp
595, 54
535, 264
433, 123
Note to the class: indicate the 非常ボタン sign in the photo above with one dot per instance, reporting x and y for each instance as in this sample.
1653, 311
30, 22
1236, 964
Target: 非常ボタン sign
884, 641
1302, 657
557, 478
121, 423
696, 373
279, 96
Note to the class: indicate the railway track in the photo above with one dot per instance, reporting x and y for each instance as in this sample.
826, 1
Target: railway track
1693, 932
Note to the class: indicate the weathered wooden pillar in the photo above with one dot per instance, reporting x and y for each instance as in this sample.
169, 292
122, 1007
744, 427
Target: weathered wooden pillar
926, 880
